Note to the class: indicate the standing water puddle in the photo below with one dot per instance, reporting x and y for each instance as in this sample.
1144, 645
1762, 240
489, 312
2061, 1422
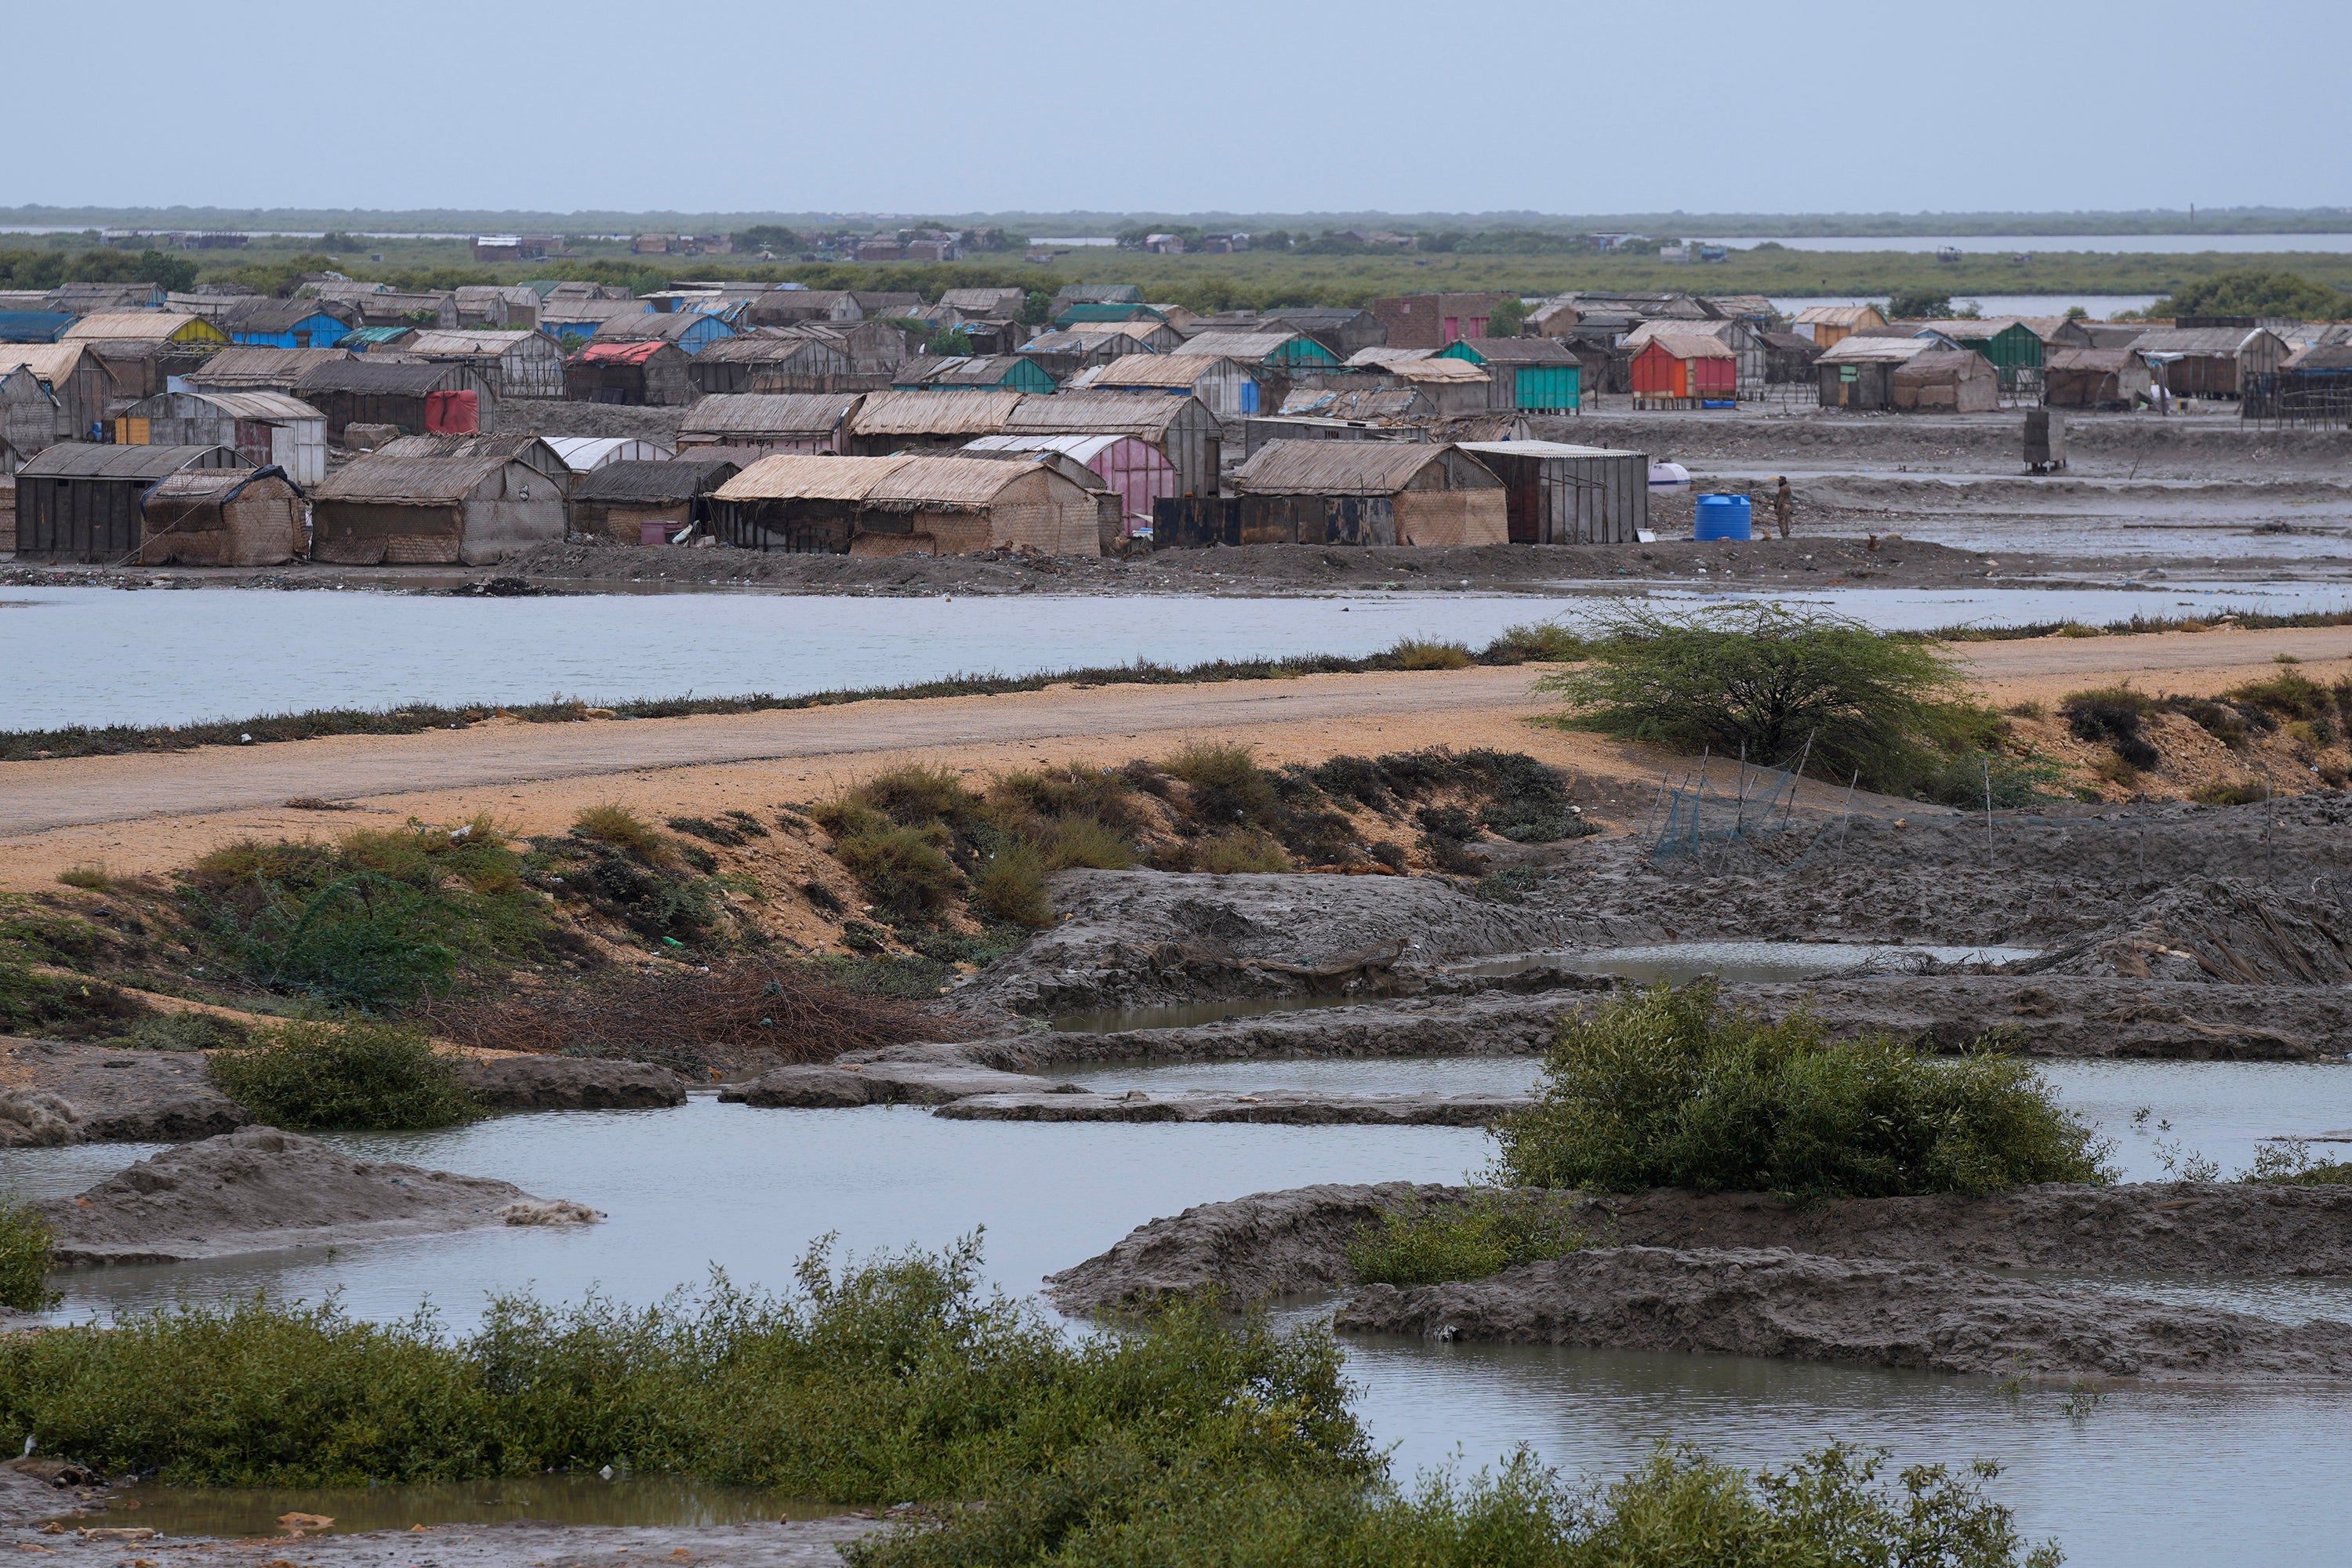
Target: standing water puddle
626, 1501
2152, 1479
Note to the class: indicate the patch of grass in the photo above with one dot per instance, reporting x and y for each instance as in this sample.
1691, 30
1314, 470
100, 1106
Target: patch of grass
25, 1242
61, 1007
359, 1075
2116, 716
1239, 849
1962, 780
2231, 792
2290, 694
1063, 842
1763, 680
615, 824
90, 875
1424, 653
1541, 642
185, 1031
1667, 1088
2224, 723
1010, 887
2032, 707
905, 870
913, 795
1492, 1230
1227, 784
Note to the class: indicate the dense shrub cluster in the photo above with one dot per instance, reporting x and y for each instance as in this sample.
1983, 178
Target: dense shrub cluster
1493, 1229
360, 1074
25, 1241
1668, 1088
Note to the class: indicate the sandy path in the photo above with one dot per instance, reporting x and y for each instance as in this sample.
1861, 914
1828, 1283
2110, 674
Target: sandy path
150, 813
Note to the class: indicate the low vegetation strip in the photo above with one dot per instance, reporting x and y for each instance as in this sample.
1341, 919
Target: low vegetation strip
1184, 1439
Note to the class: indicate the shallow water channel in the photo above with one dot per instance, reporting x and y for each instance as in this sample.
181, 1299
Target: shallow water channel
2151, 1476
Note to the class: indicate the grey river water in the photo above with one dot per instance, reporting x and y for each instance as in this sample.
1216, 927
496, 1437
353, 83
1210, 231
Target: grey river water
105, 656
2153, 1477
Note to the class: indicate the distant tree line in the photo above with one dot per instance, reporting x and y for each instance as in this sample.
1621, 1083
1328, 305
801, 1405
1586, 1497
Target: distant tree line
48, 268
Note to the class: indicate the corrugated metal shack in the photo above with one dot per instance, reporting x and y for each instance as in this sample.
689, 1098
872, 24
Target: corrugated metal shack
768, 362
1135, 471
80, 387
416, 399
261, 369
994, 373
1561, 494
690, 329
1830, 325
1747, 346
435, 499
266, 428
78, 501
1341, 330
936, 505
653, 373
1679, 371
772, 422
1225, 387
586, 454
1536, 374
892, 422
514, 362
1946, 381
222, 517
2096, 378
1183, 428
2209, 362
1346, 492
381, 305
30, 416
1858, 372
647, 503
289, 324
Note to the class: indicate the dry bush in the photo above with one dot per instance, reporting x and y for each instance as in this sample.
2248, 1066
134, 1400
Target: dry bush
1424, 653
682, 1018
623, 829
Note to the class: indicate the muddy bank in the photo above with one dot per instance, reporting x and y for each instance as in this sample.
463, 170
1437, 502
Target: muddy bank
1872, 1312
571, 1083
53, 1093
1294, 1242
261, 1190
1283, 1107
795, 1544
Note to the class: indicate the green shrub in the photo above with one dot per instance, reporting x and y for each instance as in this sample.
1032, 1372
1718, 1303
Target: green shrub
1243, 849
1541, 642
359, 1075
1765, 680
1082, 841
1961, 779
2289, 694
1010, 887
1067, 792
185, 1031
25, 1241
913, 795
62, 1008
625, 830
1492, 1230
905, 870
92, 875
1424, 653
2231, 792
1667, 1088
1227, 784
2116, 715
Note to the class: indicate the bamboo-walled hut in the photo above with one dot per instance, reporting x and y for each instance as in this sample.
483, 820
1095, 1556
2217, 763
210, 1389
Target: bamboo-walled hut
414, 399
79, 502
774, 422
906, 504
648, 502
437, 499
222, 517
1346, 492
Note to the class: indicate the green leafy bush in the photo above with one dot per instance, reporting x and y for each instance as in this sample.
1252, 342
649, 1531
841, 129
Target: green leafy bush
358, 1075
1491, 1230
25, 1241
1668, 1088
1765, 680
185, 1031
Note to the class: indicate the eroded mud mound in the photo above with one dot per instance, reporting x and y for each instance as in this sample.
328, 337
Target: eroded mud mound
53, 1093
2221, 933
259, 1190
1876, 1311
1294, 1242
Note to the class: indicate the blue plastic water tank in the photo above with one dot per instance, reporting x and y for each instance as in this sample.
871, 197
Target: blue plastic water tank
1723, 517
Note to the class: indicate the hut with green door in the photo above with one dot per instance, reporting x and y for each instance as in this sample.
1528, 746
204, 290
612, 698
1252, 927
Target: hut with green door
1535, 375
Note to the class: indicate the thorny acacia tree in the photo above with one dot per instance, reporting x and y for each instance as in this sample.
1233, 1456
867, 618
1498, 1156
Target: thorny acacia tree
1765, 678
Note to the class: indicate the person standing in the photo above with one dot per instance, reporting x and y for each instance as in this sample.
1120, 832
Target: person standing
1783, 503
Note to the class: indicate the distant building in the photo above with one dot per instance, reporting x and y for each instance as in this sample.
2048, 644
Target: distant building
1434, 321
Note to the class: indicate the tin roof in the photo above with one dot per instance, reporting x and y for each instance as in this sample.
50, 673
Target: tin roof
801, 476
1334, 467
1690, 345
760, 414
957, 370
960, 412
2200, 341
1519, 351
282, 315
1175, 371
1146, 414
139, 325
1862, 349
88, 460
1247, 347
51, 363
763, 346
456, 342
263, 408
1435, 372
667, 326
1545, 449
621, 353
375, 373
260, 364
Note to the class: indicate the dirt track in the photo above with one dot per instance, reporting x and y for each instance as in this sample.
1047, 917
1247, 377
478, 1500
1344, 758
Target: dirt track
148, 812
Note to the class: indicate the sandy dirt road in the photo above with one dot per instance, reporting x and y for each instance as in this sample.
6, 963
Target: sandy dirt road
148, 812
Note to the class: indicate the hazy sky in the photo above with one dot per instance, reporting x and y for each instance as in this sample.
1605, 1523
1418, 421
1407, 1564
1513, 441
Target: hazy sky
1277, 105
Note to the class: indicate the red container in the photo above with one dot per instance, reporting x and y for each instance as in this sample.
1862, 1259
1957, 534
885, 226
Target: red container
452, 412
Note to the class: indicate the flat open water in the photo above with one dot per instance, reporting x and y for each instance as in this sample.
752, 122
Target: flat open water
2153, 1478
107, 655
